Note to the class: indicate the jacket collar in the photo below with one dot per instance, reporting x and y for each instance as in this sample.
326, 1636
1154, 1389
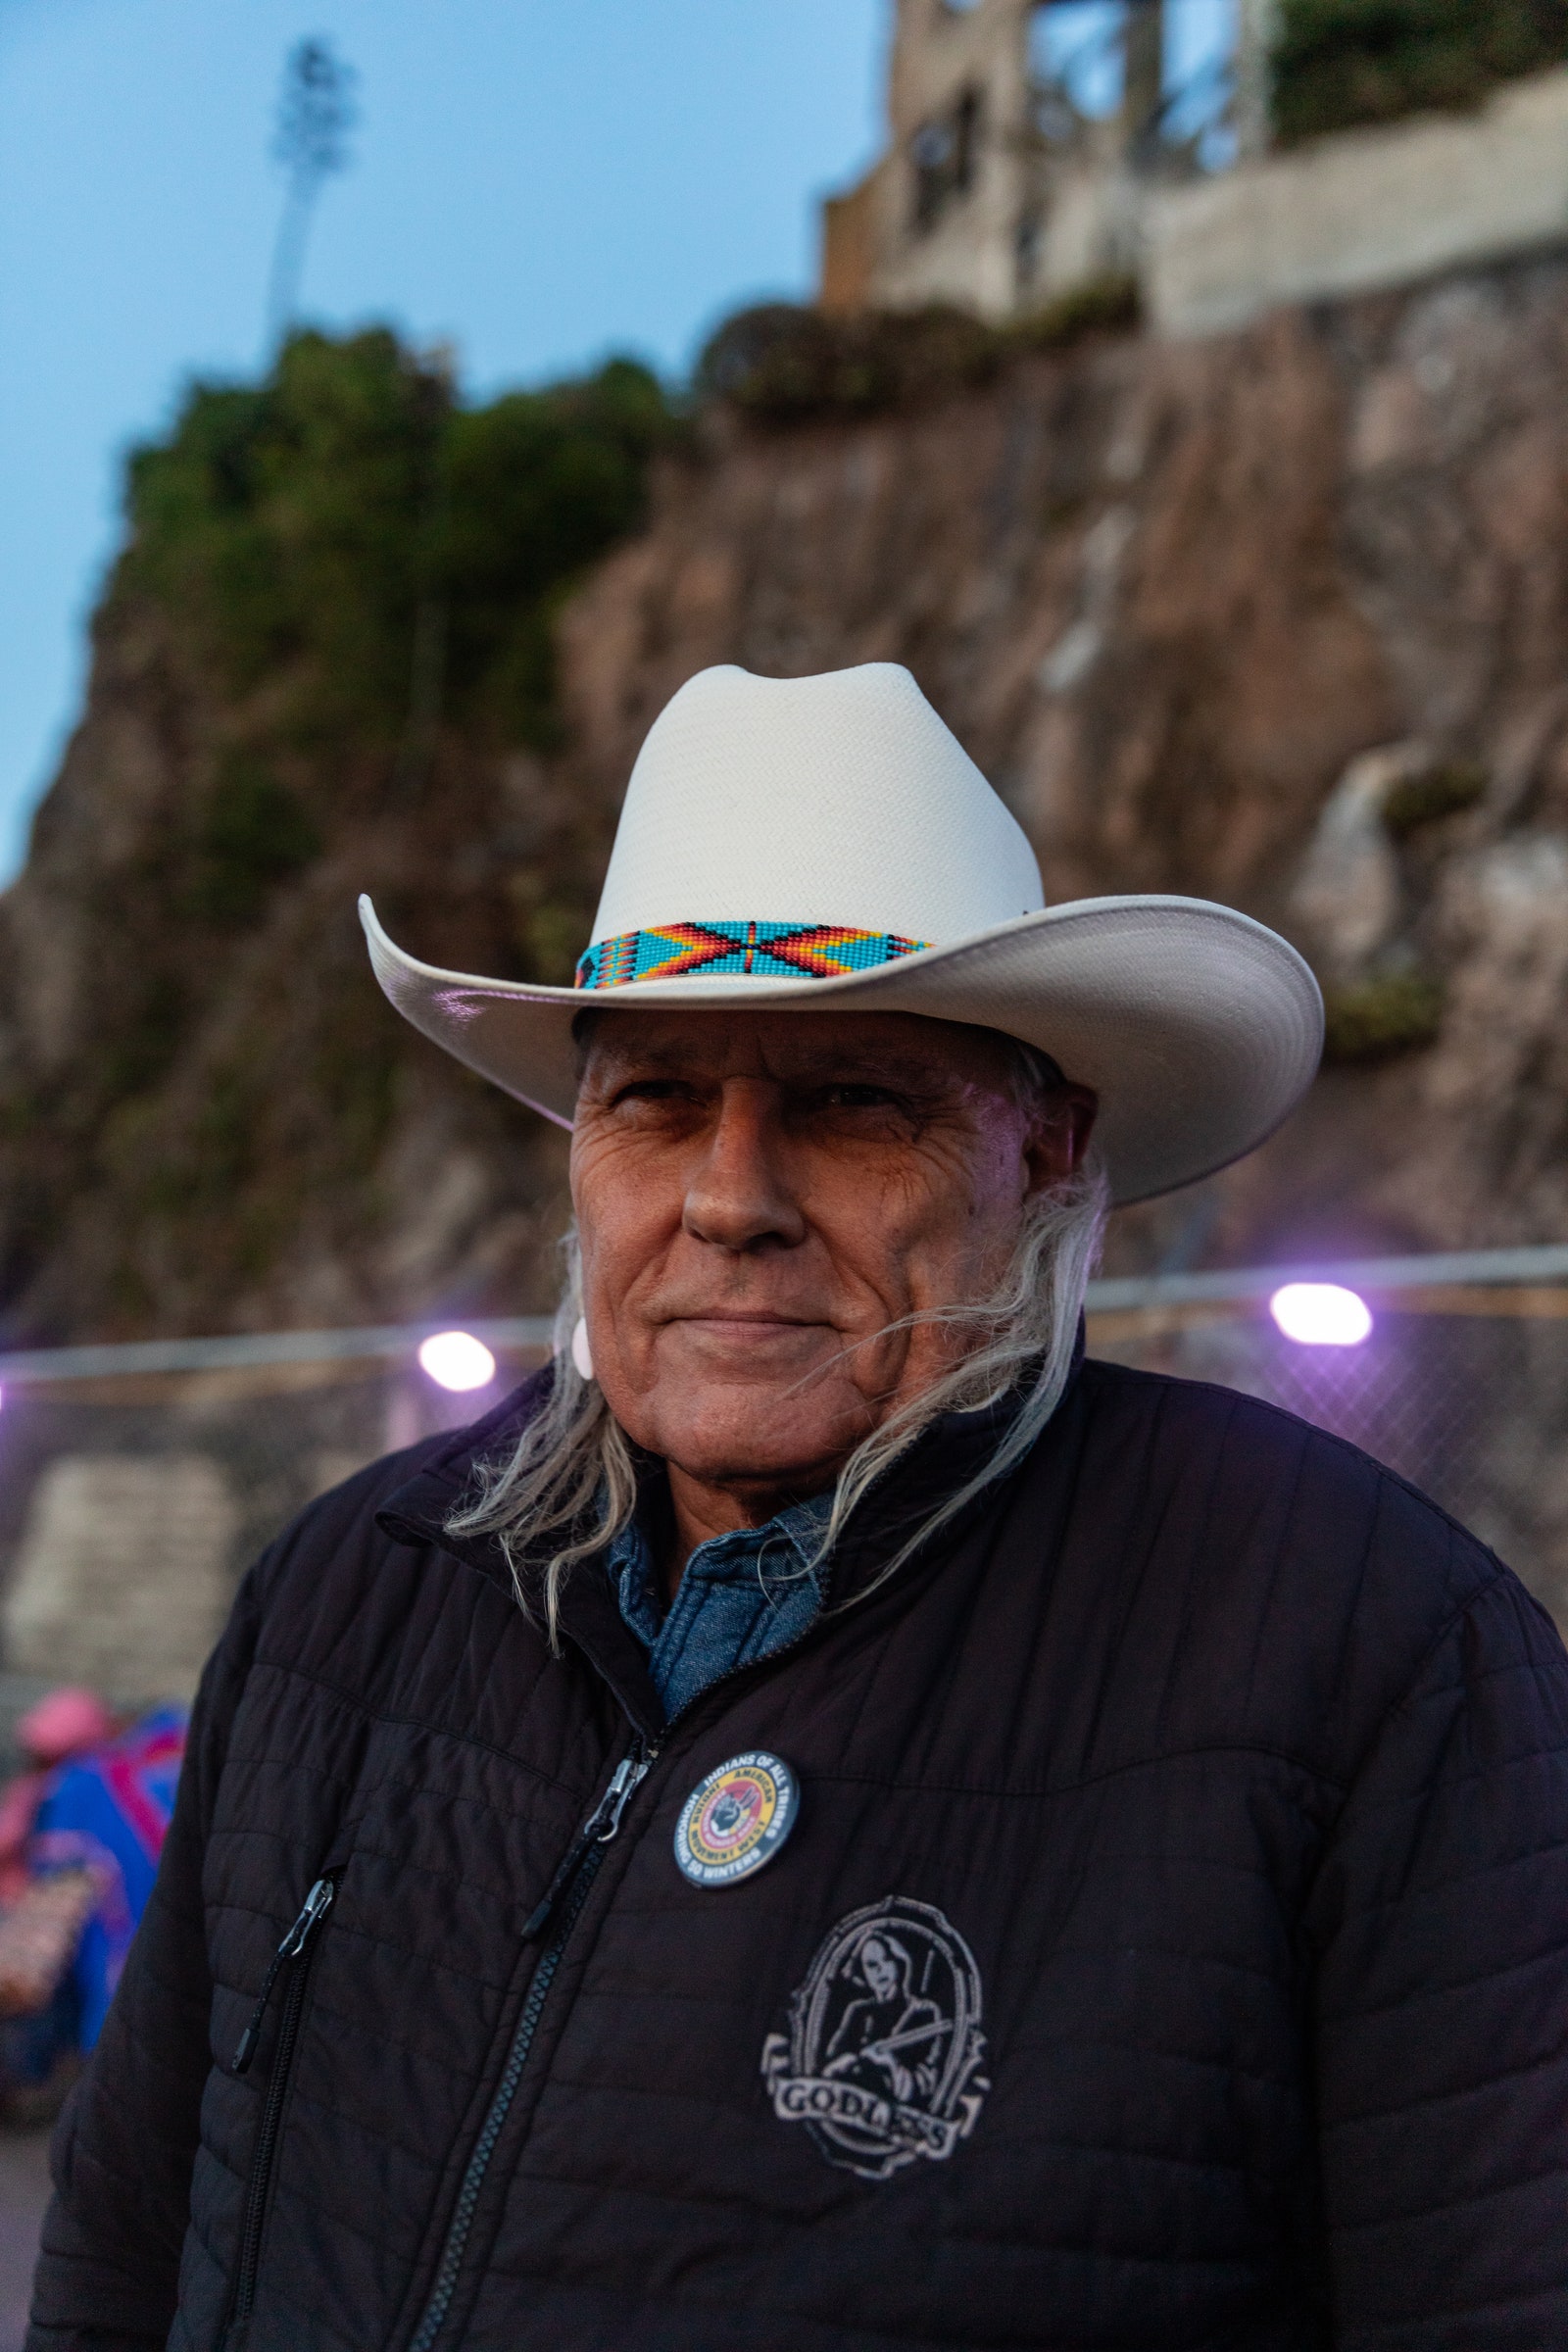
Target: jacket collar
942, 1460
590, 1615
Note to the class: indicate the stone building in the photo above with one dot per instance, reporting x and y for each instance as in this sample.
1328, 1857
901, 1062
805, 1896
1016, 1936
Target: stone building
1001, 190
996, 189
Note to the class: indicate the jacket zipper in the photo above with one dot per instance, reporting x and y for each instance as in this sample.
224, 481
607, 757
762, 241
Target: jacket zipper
293, 1956
562, 1904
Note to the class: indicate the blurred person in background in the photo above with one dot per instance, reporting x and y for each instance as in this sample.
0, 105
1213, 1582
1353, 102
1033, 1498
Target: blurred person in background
65, 1723
107, 1811
827, 1819
81, 1828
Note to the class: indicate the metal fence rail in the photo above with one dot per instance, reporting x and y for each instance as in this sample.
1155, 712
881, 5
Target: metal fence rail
1458, 1268
240, 1351
138, 1480
1461, 1276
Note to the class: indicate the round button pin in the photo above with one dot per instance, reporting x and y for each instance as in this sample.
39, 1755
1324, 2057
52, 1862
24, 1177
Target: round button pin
734, 1822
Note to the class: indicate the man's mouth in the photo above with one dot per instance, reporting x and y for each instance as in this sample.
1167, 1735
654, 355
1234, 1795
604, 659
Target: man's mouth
738, 1330
728, 1321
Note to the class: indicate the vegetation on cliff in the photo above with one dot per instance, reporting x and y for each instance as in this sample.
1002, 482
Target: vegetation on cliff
329, 633
1340, 62
354, 566
1380, 1018
785, 363
351, 535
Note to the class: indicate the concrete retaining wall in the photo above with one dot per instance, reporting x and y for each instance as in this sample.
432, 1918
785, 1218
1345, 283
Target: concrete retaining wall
1360, 210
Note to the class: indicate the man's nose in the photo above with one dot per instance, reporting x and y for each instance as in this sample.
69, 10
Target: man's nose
740, 1196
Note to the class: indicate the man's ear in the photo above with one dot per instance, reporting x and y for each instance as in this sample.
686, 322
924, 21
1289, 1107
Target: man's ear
1059, 1134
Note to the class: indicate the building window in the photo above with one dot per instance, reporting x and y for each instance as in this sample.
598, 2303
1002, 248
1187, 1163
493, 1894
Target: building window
946, 154
1028, 248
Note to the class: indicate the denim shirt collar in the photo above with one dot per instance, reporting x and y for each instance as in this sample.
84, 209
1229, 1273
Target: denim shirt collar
742, 1596
778, 1558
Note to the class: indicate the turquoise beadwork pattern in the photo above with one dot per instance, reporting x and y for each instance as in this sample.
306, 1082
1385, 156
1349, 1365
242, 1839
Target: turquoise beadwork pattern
767, 950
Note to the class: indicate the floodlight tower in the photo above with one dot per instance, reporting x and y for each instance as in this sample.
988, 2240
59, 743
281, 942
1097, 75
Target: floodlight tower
315, 114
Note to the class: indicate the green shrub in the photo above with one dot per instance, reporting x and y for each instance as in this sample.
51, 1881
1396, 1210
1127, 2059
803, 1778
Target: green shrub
784, 363
297, 531
1101, 306
282, 526
1438, 791
143, 1028
255, 832
1374, 1019
535, 488
1339, 63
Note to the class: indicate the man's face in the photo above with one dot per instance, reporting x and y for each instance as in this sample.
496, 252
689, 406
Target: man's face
760, 1194
878, 1971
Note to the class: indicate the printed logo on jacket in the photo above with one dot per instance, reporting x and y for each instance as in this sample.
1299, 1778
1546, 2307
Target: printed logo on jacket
883, 2056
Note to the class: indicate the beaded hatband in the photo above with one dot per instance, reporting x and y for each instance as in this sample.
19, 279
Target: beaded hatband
771, 951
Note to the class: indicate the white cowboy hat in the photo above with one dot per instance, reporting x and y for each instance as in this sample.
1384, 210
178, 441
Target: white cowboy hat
824, 844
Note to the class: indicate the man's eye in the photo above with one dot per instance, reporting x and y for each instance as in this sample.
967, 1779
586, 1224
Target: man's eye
860, 1098
652, 1090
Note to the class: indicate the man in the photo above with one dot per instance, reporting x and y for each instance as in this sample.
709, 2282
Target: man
885, 2032
1162, 1808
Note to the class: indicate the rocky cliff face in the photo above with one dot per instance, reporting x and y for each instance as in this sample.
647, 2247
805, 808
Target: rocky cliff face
1172, 598
248, 1141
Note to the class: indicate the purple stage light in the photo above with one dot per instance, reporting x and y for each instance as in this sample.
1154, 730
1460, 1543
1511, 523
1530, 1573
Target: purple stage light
455, 1359
1321, 1314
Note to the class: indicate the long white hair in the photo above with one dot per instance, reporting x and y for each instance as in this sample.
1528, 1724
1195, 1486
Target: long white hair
570, 1483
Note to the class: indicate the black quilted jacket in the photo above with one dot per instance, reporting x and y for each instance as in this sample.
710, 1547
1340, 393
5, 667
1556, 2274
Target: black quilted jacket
1171, 1950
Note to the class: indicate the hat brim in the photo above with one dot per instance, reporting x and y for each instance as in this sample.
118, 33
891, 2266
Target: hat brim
1199, 1029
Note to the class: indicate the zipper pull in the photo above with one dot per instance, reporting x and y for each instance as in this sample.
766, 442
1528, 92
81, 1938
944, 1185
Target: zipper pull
605, 1819
598, 1830
318, 1903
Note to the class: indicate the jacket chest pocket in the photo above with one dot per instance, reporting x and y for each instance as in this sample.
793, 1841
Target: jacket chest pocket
275, 2019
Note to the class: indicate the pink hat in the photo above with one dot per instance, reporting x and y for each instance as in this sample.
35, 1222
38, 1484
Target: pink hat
63, 1724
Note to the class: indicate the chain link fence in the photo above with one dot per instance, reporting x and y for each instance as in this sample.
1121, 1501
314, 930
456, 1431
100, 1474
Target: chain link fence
137, 1483
1462, 1386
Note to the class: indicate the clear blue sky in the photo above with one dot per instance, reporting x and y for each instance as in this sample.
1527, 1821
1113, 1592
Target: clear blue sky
533, 180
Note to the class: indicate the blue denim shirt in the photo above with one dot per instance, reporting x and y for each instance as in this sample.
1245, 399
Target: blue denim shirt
741, 1597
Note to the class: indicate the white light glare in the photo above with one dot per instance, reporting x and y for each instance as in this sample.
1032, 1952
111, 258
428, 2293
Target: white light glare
455, 1359
1321, 1314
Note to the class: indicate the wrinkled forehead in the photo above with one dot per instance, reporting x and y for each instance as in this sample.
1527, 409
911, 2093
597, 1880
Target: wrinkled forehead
794, 1046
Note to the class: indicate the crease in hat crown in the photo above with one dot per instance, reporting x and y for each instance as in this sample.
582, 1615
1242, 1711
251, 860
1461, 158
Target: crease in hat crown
837, 802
